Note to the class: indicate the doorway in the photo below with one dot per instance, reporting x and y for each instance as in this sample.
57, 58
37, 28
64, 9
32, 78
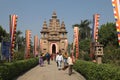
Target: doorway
53, 49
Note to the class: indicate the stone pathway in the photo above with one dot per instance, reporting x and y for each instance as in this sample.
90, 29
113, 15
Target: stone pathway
49, 72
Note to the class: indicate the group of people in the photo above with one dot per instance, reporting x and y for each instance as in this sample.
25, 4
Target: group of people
60, 58
68, 61
44, 57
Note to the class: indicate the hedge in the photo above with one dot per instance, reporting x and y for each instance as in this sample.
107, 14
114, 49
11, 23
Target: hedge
9, 71
93, 71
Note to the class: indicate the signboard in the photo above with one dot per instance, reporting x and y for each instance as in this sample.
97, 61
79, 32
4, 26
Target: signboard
5, 49
0, 50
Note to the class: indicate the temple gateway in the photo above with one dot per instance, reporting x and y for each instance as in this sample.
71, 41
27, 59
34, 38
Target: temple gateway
53, 36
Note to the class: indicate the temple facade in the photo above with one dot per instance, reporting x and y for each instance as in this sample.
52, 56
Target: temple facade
53, 36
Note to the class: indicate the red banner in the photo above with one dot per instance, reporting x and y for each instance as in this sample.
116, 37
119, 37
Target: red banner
13, 25
95, 27
36, 45
28, 39
76, 41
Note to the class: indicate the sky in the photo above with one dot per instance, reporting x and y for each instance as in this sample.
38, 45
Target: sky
32, 13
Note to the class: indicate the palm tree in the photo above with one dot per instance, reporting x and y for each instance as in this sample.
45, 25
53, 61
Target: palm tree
18, 33
85, 29
20, 40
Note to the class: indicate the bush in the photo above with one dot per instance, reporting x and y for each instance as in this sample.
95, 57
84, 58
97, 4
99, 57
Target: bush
93, 71
87, 57
8, 71
111, 56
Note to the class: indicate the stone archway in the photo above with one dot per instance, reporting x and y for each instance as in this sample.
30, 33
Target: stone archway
53, 48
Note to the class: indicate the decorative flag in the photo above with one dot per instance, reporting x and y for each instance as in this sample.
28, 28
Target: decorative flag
116, 10
36, 45
76, 41
95, 27
13, 26
28, 42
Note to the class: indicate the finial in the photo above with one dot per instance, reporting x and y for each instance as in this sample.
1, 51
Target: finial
54, 14
45, 23
62, 24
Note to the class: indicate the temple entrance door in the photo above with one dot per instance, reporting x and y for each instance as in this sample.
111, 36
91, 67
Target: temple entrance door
53, 49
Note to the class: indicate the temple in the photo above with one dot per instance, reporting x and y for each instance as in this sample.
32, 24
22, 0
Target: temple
53, 36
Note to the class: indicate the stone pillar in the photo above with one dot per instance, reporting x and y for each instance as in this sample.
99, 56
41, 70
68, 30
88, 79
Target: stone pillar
99, 59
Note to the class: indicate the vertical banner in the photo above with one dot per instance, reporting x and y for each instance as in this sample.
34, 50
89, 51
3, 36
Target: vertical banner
95, 27
76, 41
13, 25
36, 45
116, 10
28, 44
66, 45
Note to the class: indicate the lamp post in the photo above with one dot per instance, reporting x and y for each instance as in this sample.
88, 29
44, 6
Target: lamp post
98, 52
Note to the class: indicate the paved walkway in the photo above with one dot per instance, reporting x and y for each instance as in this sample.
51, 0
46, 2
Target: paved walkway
49, 72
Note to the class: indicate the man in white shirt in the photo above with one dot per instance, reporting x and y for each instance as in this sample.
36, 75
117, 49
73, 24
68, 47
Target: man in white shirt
59, 59
70, 62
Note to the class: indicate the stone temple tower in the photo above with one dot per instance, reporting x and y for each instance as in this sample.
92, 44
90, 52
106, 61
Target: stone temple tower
53, 36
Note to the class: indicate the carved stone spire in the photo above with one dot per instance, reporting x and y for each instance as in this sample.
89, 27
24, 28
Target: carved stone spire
54, 15
45, 25
63, 25
44, 28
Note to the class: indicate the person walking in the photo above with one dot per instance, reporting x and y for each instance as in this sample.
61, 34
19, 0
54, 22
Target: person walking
65, 56
41, 62
57, 54
70, 62
48, 57
59, 59
51, 56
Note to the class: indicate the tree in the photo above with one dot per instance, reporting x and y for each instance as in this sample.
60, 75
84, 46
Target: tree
84, 38
20, 40
20, 46
85, 45
85, 29
107, 35
3, 34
